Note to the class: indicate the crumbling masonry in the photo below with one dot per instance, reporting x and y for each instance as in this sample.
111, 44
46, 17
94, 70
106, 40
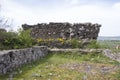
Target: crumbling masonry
64, 30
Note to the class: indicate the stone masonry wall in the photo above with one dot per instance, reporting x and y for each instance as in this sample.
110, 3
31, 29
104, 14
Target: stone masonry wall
12, 59
64, 30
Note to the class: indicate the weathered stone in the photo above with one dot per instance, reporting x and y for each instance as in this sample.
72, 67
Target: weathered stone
12, 59
64, 30
112, 55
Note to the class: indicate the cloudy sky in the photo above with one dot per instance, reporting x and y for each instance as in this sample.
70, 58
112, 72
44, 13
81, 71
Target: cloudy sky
105, 12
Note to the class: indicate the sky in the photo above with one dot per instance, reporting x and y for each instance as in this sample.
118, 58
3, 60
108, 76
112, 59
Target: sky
104, 12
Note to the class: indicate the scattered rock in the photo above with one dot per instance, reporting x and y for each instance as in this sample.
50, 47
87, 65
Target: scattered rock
46, 67
112, 55
20, 71
88, 68
50, 74
36, 75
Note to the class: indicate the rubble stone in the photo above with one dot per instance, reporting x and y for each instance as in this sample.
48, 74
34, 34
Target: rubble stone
12, 59
64, 30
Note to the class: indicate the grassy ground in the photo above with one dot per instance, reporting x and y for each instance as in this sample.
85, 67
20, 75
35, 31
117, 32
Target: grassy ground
68, 66
111, 44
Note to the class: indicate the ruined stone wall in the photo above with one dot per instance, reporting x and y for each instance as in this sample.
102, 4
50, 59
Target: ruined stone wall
64, 30
12, 59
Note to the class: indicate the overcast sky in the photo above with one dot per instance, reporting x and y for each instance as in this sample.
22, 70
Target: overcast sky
105, 12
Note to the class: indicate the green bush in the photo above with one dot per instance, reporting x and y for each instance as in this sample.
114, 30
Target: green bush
75, 43
6, 35
25, 38
12, 40
4, 39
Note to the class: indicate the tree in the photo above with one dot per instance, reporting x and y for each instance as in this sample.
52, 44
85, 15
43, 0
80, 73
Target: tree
4, 21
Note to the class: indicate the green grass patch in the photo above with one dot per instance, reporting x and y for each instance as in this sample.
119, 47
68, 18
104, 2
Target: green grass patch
51, 67
110, 44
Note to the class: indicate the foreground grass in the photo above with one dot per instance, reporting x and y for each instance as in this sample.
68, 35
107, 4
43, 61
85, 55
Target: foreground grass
68, 66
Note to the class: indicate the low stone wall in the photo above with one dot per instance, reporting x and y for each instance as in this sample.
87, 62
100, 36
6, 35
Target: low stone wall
12, 59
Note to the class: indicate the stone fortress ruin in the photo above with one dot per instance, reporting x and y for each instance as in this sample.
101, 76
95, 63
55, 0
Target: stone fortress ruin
64, 30
12, 59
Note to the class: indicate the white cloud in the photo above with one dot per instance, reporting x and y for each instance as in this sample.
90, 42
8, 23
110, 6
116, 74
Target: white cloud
107, 16
72, 2
117, 5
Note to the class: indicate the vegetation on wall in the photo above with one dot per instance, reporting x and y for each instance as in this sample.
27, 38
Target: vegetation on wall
60, 43
69, 43
23, 39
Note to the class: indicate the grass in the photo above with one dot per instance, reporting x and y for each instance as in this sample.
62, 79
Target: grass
110, 44
62, 66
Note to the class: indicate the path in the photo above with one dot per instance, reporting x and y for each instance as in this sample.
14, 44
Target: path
106, 52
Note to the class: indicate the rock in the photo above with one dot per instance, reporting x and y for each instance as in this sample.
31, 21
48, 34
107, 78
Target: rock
112, 55
36, 75
12, 59
50, 74
67, 31
64, 30
85, 77
20, 71
46, 67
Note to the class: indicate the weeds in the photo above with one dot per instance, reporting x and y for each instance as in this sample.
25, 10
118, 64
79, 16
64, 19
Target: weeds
12, 40
93, 44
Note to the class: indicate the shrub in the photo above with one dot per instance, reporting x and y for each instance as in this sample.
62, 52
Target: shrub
25, 38
75, 43
12, 43
5, 38
6, 35
12, 40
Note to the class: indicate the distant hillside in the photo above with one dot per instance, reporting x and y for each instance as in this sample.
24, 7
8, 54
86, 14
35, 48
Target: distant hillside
109, 38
